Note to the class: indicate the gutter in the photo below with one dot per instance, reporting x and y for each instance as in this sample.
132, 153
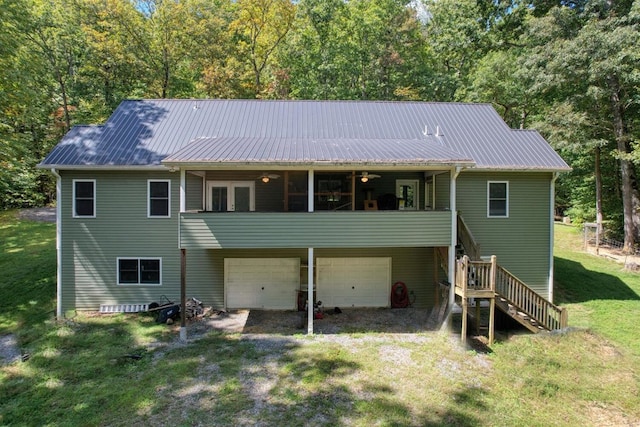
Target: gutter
58, 243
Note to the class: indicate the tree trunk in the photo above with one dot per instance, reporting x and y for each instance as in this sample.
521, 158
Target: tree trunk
65, 101
627, 174
598, 174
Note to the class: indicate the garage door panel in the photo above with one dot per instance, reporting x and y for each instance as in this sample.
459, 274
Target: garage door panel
266, 283
354, 282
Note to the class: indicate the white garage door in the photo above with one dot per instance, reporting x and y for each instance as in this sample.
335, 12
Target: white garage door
354, 282
269, 283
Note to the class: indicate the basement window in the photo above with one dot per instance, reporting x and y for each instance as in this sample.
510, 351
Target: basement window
139, 271
498, 199
84, 198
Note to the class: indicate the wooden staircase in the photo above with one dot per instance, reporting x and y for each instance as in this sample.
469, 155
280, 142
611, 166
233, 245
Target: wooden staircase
487, 280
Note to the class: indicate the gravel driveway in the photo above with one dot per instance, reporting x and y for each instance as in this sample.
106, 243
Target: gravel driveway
38, 214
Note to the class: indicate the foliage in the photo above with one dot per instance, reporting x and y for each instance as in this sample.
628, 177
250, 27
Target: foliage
568, 68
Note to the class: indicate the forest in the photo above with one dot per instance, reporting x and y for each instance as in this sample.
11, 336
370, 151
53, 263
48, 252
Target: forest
570, 69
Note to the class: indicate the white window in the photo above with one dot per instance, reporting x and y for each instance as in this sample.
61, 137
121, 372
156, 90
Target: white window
84, 198
223, 196
139, 271
159, 198
407, 194
497, 199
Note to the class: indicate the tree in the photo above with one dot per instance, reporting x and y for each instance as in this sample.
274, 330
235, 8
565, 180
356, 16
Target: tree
457, 40
590, 58
260, 27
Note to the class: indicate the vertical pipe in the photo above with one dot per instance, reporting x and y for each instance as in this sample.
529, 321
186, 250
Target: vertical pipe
454, 232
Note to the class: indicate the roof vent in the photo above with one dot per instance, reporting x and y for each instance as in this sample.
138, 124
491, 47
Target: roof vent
438, 133
426, 130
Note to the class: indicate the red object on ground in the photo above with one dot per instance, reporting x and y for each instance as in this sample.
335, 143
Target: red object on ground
399, 295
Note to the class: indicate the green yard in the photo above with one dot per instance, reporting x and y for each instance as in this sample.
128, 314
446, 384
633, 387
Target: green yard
125, 370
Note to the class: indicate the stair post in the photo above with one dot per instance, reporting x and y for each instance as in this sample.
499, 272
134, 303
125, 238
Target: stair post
492, 300
464, 272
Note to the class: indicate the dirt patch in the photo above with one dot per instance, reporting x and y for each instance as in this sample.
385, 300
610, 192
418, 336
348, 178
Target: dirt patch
9, 351
354, 320
38, 214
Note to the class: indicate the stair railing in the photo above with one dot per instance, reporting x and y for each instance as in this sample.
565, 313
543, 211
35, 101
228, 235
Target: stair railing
471, 247
529, 302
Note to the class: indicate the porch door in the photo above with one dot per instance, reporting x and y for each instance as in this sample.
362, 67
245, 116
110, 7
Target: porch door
407, 193
229, 196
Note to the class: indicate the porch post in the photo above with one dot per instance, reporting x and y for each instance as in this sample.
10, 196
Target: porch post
183, 190
310, 272
310, 191
454, 234
310, 276
492, 301
183, 295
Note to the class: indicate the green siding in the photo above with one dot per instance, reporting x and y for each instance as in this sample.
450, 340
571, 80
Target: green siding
194, 192
443, 190
521, 241
90, 246
318, 229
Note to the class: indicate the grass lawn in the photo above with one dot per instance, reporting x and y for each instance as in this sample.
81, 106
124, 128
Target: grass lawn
125, 369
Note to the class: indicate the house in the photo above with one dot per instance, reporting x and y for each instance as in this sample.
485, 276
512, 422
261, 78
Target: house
256, 204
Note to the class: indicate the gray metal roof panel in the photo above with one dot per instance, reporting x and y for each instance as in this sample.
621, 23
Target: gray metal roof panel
145, 132
278, 150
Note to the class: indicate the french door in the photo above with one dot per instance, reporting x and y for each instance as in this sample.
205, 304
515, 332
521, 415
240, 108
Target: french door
228, 196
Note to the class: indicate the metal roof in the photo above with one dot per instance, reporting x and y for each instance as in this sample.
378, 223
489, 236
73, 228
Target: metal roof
153, 132
308, 151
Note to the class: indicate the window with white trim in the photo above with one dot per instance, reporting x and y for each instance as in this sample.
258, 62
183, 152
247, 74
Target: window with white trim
159, 198
84, 198
498, 199
139, 271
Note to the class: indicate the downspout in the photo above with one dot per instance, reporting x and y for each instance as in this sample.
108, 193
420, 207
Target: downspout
552, 200
58, 243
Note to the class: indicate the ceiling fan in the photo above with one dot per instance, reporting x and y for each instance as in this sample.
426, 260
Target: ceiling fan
366, 176
266, 177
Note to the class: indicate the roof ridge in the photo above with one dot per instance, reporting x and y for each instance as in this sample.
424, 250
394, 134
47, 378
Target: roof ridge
314, 101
